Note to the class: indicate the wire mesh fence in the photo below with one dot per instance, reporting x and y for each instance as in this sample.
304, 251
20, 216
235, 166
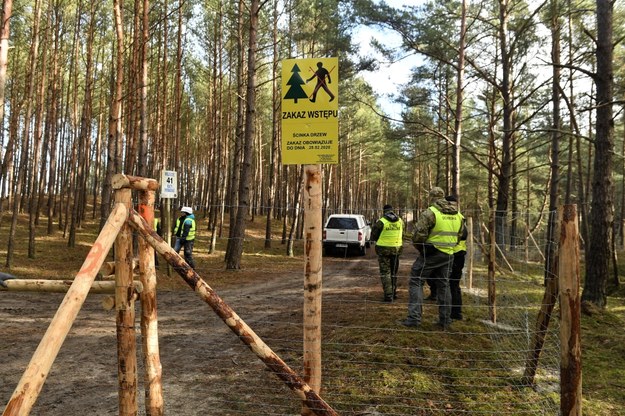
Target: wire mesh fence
371, 365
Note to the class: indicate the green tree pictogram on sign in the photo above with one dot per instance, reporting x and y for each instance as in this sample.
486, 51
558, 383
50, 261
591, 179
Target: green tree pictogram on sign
295, 83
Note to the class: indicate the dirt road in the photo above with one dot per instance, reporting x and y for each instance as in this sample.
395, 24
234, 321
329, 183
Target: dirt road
206, 369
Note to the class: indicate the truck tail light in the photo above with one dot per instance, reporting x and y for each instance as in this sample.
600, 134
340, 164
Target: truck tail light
359, 235
324, 234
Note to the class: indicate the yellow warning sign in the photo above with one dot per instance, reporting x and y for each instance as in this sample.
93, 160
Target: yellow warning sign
310, 111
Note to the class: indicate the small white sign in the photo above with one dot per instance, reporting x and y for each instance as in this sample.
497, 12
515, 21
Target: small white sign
169, 184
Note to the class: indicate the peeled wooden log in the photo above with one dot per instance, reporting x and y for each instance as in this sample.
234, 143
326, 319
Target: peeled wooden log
154, 402
125, 315
35, 375
137, 183
108, 302
135, 276
309, 397
108, 267
61, 286
312, 279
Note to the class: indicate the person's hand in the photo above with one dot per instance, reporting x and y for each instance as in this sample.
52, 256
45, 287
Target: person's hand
5, 276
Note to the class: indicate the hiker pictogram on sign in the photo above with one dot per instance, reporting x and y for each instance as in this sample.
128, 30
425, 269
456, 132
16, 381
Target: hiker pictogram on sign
321, 74
296, 88
295, 83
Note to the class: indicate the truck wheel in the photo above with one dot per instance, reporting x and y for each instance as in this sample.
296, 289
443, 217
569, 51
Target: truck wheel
362, 250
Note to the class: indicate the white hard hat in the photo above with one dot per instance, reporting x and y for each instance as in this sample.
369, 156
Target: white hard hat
188, 210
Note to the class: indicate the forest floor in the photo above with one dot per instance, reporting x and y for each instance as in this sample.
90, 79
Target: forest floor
207, 370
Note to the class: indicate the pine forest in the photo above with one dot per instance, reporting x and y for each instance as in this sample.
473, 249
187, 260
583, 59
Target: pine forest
514, 106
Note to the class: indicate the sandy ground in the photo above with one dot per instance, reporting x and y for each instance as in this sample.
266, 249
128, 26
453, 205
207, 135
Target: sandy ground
207, 370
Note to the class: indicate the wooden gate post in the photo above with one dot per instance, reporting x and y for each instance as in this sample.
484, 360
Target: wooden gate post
312, 279
570, 314
149, 319
125, 314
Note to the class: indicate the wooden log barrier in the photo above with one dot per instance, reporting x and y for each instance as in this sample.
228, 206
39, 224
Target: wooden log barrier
61, 286
125, 315
154, 402
100, 278
108, 267
121, 181
29, 386
309, 397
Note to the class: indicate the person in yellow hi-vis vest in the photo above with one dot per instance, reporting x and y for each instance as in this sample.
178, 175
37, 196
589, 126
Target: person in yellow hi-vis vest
388, 233
185, 234
436, 233
460, 251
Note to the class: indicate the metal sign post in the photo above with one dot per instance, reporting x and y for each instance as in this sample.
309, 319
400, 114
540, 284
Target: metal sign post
169, 191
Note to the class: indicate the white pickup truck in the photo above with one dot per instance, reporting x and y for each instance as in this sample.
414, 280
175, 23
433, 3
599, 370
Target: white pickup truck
345, 231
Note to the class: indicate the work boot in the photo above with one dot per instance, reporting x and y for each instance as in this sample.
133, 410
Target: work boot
441, 326
409, 323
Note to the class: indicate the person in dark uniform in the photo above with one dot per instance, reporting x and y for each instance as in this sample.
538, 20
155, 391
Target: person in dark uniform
460, 251
388, 233
436, 233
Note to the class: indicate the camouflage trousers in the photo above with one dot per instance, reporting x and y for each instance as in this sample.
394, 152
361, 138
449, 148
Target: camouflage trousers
436, 265
388, 258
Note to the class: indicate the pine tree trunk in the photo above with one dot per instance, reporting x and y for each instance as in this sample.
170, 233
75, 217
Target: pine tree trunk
51, 124
7, 10
505, 170
275, 126
25, 148
455, 165
550, 243
115, 124
84, 135
233, 260
238, 143
143, 129
601, 214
